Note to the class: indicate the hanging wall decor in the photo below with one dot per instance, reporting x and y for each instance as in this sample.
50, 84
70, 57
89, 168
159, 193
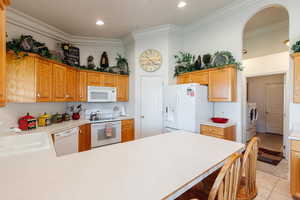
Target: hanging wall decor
71, 54
104, 64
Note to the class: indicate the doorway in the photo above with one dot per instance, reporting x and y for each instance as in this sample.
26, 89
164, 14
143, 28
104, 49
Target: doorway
266, 63
266, 99
151, 106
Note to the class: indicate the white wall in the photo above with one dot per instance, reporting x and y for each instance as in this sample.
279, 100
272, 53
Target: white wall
264, 65
224, 30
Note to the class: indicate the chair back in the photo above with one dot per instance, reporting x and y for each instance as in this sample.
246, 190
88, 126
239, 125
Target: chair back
226, 184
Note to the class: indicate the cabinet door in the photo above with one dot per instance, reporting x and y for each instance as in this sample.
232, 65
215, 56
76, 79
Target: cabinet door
95, 79
43, 80
109, 80
184, 79
127, 130
82, 86
122, 88
59, 83
84, 138
199, 77
297, 78
295, 173
2, 58
222, 85
20, 77
71, 84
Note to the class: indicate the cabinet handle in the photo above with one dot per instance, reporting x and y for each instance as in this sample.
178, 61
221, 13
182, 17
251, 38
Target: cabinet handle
38, 95
67, 95
297, 155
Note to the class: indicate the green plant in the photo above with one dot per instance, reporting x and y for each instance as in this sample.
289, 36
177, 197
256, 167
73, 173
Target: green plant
230, 60
185, 62
296, 47
207, 60
122, 63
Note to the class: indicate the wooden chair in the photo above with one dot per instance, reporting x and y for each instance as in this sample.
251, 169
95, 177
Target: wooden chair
226, 184
248, 189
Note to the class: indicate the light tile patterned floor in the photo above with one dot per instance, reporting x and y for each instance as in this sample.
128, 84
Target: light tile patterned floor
272, 182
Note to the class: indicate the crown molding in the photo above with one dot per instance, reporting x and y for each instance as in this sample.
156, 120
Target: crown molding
167, 28
222, 12
22, 20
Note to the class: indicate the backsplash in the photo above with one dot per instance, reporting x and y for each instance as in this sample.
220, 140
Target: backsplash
10, 114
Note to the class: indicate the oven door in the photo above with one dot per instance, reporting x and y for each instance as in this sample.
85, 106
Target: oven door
101, 136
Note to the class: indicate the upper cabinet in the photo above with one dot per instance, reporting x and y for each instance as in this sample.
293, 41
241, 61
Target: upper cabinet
35, 79
3, 4
122, 88
82, 86
222, 85
296, 58
43, 80
59, 83
221, 82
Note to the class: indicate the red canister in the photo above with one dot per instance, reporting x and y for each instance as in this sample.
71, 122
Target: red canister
27, 122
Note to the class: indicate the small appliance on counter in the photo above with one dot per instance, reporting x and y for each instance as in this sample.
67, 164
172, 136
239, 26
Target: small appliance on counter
27, 122
44, 120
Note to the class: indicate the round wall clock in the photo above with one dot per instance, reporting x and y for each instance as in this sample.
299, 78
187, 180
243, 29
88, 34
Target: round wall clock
150, 60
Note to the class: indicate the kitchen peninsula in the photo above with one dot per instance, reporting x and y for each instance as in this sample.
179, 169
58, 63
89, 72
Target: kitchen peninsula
158, 167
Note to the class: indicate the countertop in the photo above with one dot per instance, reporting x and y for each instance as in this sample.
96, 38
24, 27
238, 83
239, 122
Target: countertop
54, 128
295, 134
150, 169
225, 125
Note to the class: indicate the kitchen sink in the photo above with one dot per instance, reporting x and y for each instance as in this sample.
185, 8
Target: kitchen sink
19, 144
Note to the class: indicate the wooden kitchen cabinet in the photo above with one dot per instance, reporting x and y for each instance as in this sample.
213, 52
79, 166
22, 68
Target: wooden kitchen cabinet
95, 79
109, 80
59, 83
184, 78
82, 86
228, 133
200, 77
71, 84
295, 168
222, 85
122, 88
3, 52
127, 130
43, 80
296, 59
84, 138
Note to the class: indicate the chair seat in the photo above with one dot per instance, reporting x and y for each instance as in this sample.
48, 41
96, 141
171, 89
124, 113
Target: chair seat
193, 195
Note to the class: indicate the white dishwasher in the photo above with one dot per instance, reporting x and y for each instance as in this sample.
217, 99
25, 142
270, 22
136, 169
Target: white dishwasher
66, 142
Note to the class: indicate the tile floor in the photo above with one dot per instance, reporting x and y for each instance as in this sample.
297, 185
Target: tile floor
272, 182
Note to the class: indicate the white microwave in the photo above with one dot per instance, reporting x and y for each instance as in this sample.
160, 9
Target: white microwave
102, 94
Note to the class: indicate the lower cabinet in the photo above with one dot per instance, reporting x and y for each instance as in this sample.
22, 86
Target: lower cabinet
295, 168
222, 133
84, 138
127, 130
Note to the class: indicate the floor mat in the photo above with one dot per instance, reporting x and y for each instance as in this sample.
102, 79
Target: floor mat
268, 156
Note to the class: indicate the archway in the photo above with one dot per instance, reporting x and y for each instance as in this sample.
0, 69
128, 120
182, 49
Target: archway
266, 62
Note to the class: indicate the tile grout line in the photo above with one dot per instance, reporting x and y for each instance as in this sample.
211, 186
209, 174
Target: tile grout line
271, 192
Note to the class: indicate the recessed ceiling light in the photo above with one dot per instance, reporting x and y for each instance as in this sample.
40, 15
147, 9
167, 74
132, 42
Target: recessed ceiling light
181, 4
100, 22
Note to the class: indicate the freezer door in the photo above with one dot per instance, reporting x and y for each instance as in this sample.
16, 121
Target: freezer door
170, 107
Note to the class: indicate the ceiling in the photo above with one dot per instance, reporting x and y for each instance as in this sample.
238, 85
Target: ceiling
78, 17
266, 32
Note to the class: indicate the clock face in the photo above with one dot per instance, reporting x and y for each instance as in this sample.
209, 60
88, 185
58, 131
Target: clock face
150, 60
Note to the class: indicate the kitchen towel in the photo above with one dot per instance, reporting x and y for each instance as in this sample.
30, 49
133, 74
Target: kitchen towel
109, 130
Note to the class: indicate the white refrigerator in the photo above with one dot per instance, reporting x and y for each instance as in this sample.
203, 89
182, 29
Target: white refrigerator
185, 107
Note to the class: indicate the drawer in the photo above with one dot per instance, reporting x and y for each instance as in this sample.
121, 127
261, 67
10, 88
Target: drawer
212, 130
127, 122
214, 135
295, 145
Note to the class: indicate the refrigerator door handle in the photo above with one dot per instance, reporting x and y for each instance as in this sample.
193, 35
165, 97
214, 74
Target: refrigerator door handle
167, 109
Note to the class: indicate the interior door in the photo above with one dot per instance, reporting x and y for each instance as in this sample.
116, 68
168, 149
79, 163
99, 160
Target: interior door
151, 106
274, 108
